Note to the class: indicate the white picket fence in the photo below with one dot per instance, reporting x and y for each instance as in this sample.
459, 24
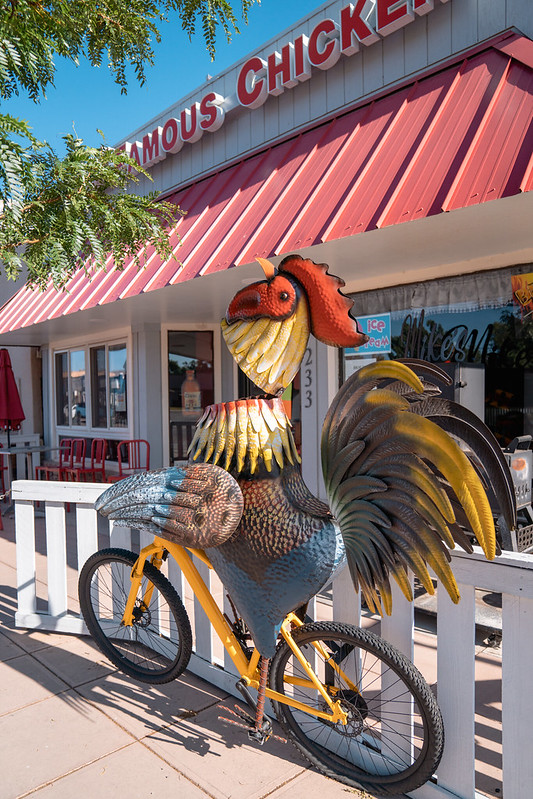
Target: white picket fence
48, 562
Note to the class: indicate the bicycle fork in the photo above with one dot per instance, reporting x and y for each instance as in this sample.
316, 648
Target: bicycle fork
153, 550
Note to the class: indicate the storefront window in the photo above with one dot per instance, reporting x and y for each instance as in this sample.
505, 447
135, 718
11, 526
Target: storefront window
190, 385
70, 388
117, 366
98, 387
62, 403
77, 387
104, 383
475, 328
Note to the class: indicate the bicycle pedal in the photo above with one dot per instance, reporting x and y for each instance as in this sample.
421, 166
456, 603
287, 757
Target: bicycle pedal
257, 736
261, 736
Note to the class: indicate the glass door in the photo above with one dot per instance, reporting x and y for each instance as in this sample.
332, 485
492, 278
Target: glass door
190, 386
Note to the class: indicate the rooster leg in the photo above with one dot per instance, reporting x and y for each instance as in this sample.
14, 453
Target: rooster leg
263, 728
260, 728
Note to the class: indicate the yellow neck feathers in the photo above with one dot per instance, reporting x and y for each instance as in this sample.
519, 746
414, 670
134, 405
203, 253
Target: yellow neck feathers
242, 434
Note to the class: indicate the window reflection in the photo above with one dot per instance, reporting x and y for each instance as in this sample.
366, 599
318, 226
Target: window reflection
104, 384
478, 329
77, 387
98, 387
117, 360
61, 361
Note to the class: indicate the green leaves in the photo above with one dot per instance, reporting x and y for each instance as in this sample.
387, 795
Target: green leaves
31, 33
75, 212
58, 214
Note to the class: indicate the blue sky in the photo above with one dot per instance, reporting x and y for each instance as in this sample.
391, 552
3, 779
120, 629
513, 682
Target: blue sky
87, 98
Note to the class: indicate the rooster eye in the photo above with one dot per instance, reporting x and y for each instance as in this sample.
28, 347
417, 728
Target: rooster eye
284, 295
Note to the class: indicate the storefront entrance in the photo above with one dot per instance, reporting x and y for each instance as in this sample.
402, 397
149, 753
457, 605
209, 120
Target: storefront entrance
190, 386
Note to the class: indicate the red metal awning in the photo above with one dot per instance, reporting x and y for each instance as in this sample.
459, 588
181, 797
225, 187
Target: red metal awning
460, 136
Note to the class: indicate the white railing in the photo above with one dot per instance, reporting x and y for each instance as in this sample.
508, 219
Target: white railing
51, 550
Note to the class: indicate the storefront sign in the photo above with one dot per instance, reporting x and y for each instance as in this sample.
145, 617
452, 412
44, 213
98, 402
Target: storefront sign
424, 339
361, 23
379, 331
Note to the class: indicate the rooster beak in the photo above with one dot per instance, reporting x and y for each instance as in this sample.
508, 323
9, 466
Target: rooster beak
268, 268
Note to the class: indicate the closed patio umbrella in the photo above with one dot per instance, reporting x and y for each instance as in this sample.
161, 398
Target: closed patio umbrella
11, 413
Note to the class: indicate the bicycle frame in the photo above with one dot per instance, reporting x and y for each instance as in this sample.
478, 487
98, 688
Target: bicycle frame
248, 668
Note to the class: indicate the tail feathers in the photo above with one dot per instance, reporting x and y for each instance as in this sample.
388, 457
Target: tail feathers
486, 454
394, 474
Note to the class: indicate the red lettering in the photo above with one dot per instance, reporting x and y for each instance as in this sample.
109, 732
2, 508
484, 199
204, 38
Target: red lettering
212, 113
323, 52
170, 136
251, 88
355, 29
302, 67
190, 130
135, 151
391, 16
279, 70
151, 152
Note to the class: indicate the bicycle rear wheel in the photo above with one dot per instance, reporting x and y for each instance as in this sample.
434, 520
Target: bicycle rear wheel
157, 647
394, 737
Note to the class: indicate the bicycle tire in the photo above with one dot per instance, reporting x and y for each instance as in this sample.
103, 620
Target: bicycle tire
377, 749
157, 647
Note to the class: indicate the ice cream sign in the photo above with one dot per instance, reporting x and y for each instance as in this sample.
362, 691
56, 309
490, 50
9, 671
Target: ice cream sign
378, 330
358, 25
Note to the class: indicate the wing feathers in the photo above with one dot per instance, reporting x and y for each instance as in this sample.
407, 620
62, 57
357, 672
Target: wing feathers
198, 505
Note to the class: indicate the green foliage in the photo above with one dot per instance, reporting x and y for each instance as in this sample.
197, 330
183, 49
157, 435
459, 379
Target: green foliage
55, 213
33, 31
69, 214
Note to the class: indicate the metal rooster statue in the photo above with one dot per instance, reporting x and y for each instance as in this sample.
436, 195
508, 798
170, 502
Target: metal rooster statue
400, 488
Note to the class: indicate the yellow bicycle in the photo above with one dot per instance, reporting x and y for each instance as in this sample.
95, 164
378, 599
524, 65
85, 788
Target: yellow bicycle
350, 702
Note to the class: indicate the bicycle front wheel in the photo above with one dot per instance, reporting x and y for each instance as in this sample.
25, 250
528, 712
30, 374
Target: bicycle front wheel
393, 739
157, 647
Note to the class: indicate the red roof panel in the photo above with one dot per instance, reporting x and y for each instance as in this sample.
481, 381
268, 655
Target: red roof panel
458, 136
426, 179
501, 147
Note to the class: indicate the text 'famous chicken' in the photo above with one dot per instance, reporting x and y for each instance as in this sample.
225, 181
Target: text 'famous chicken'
401, 490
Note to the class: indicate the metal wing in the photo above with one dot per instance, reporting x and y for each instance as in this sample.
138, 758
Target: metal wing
198, 505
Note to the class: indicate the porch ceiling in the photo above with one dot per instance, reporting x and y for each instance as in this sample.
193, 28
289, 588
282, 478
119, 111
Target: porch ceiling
433, 178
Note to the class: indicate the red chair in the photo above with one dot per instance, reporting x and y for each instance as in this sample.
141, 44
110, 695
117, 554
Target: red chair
96, 470
71, 455
49, 471
133, 456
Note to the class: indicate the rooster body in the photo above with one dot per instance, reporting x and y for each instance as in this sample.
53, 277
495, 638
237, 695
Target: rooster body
285, 549
400, 489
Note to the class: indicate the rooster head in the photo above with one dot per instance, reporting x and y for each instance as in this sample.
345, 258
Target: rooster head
267, 324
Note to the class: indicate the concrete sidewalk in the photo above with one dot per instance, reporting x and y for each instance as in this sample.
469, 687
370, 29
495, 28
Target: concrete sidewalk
70, 725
